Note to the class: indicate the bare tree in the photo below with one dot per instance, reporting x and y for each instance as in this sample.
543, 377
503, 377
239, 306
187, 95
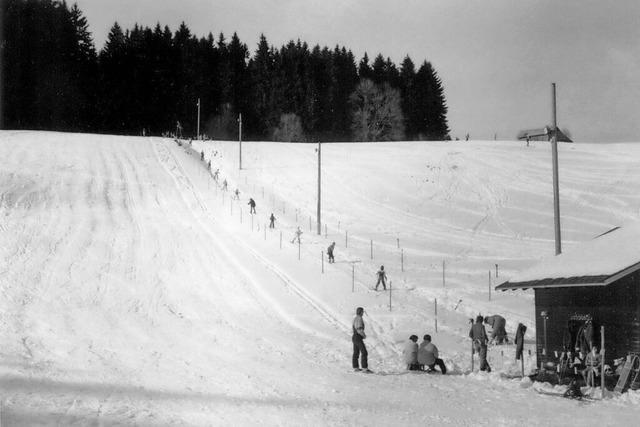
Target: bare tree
377, 115
289, 129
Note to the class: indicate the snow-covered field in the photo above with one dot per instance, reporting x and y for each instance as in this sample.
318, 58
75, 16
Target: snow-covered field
134, 291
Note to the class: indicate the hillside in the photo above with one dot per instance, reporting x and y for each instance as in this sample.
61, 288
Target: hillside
135, 291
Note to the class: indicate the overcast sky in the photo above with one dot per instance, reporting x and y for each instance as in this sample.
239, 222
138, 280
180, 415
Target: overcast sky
496, 58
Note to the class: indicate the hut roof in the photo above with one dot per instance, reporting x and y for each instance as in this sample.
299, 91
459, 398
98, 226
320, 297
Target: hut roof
546, 132
597, 262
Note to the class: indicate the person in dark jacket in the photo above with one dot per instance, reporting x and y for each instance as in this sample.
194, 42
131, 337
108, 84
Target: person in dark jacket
252, 205
479, 336
498, 332
382, 278
359, 349
330, 252
272, 221
410, 353
428, 355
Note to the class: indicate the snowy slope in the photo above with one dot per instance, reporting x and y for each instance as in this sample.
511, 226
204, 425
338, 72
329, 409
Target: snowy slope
135, 291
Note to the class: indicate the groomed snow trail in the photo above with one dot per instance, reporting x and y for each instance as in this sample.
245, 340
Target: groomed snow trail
132, 295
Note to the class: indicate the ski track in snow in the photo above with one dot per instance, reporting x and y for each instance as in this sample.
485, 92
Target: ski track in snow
131, 295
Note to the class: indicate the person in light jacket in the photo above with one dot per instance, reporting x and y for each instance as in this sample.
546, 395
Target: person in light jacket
359, 349
428, 355
410, 353
479, 337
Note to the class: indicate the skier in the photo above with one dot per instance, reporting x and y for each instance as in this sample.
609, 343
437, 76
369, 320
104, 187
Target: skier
410, 353
201, 155
209, 167
272, 221
330, 252
479, 336
224, 185
215, 174
428, 356
498, 333
359, 349
252, 205
382, 278
297, 235
237, 194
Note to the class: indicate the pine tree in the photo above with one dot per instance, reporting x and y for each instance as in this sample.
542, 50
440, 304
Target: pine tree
431, 107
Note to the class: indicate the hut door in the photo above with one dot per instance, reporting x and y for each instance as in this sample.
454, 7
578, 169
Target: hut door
580, 335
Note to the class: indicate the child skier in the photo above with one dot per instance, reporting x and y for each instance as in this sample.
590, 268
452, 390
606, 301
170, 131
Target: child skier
330, 252
382, 278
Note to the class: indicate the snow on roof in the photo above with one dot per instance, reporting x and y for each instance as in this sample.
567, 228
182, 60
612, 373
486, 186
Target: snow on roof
597, 262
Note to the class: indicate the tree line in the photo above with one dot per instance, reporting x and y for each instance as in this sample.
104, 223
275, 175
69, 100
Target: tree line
149, 80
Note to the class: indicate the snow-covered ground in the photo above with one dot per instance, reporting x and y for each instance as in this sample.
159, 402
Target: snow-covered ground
134, 291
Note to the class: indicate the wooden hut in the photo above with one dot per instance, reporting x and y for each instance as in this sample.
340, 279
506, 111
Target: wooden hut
595, 284
543, 134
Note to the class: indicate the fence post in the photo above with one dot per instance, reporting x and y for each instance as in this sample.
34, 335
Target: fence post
602, 360
436, 312
402, 260
443, 280
398, 241
489, 285
298, 248
322, 260
496, 271
353, 277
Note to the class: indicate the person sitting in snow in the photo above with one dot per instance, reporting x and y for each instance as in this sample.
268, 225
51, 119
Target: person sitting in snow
428, 356
410, 353
479, 336
592, 365
498, 332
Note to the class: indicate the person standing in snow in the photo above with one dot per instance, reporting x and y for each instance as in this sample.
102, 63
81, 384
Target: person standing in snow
252, 206
359, 349
330, 252
237, 194
272, 221
498, 332
410, 353
428, 355
224, 185
382, 278
297, 235
479, 336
